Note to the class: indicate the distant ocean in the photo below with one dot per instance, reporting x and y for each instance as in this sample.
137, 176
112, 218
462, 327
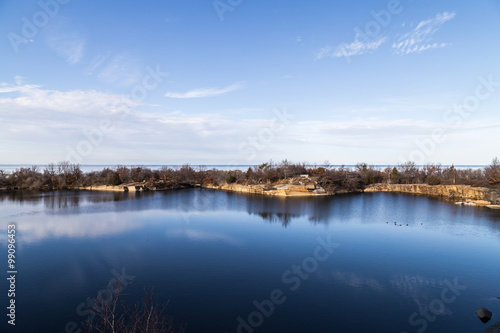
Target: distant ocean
243, 167
98, 167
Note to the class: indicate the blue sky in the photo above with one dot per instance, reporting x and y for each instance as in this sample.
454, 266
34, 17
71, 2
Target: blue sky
242, 82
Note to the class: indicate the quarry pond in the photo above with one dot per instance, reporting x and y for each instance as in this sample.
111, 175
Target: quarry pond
232, 262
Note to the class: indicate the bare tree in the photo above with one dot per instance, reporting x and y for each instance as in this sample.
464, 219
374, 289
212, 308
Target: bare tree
493, 172
109, 315
408, 172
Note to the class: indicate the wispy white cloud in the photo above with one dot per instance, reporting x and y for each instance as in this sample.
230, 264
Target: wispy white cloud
55, 119
357, 47
51, 117
123, 69
74, 52
18, 79
70, 48
4, 88
419, 38
66, 40
324, 52
97, 62
206, 92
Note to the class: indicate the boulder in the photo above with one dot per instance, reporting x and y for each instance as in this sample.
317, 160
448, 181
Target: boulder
484, 314
495, 328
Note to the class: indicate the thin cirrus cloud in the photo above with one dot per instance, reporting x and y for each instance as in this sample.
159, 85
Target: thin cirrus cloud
66, 40
357, 47
419, 39
206, 92
123, 69
69, 47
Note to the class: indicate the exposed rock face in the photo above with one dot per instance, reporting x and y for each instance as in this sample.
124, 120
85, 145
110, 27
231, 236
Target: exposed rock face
283, 190
462, 194
134, 187
484, 314
479, 196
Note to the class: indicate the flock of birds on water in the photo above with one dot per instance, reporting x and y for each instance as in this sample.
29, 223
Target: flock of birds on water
395, 223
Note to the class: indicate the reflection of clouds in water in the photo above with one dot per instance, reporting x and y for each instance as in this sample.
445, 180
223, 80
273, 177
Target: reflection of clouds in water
203, 235
79, 226
71, 205
407, 283
420, 289
356, 280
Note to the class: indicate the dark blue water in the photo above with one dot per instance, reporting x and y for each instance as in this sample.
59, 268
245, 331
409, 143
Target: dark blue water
229, 262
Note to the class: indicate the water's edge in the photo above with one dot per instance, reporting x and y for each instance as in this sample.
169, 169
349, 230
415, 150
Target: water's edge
460, 194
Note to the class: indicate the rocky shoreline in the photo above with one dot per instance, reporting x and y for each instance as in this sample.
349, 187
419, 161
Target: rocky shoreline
460, 194
281, 190
135, 187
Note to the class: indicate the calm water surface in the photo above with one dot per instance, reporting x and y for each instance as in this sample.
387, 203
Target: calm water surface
331, 264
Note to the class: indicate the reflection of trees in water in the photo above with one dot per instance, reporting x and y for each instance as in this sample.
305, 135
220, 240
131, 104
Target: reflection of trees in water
282, 218
65, 199
31, 197
364, 208
283, 210
61, 201
76, 199
271, 209
317, 219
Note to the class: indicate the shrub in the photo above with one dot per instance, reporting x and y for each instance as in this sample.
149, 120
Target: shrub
116, 179
433, 180
394, 176
230, 178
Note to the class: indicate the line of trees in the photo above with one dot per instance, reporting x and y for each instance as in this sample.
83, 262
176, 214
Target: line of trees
435, 174
65, 175
351, 179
